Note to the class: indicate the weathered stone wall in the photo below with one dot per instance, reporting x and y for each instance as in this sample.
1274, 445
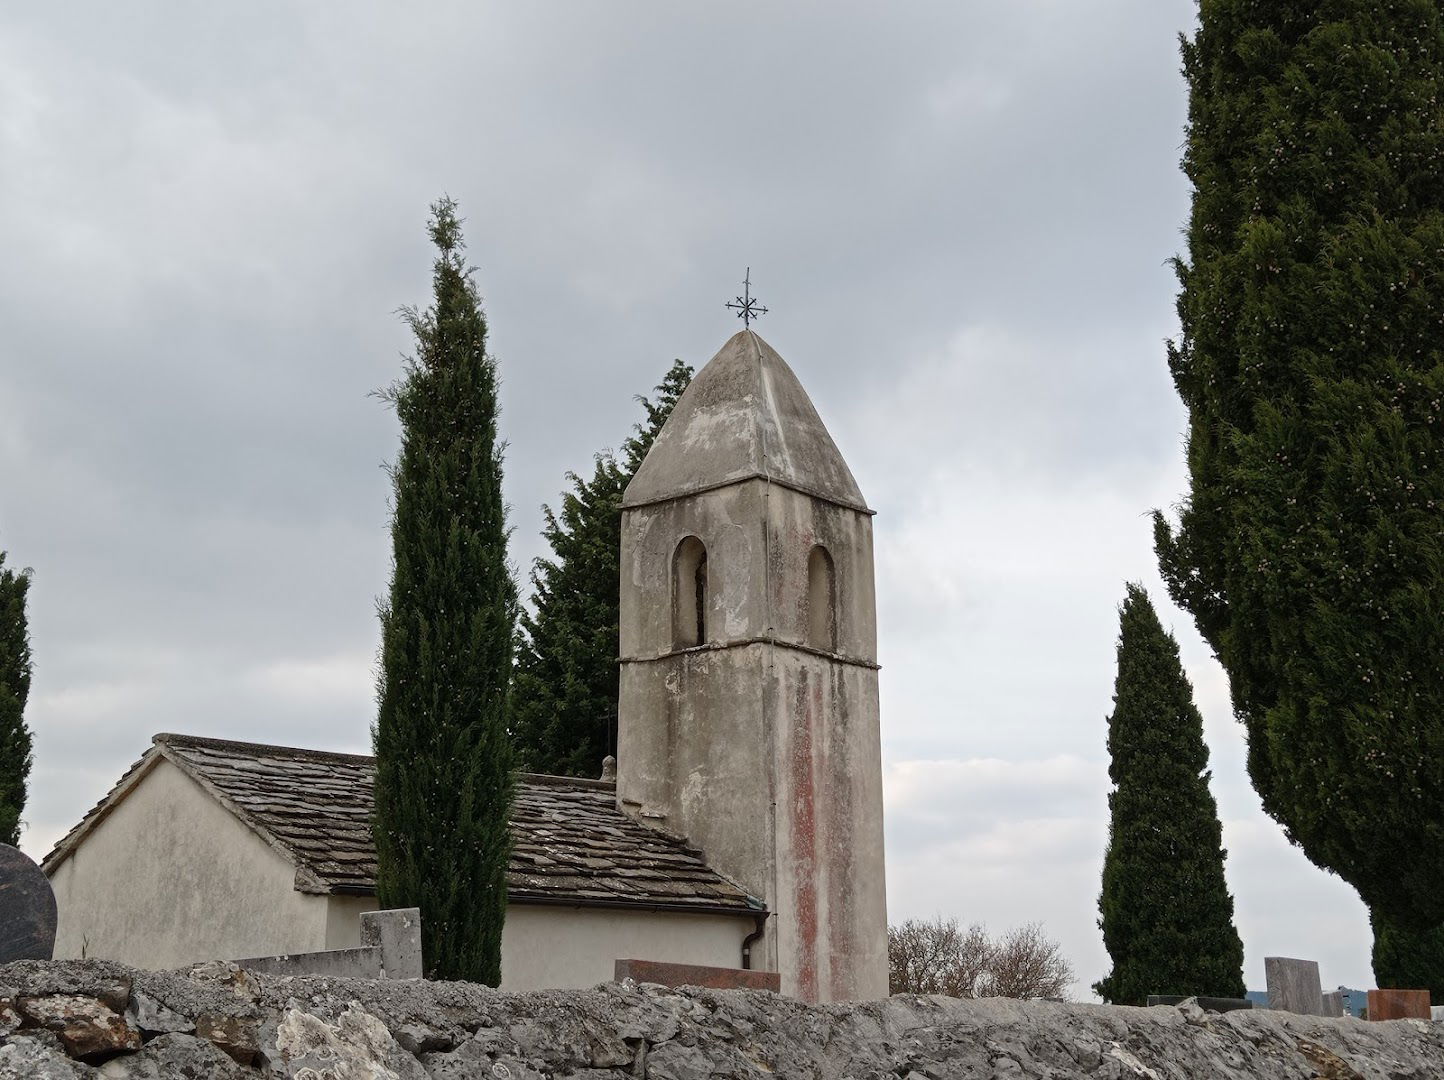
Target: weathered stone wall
74, 1019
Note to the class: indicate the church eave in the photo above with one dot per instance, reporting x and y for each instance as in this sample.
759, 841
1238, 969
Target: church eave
742, 478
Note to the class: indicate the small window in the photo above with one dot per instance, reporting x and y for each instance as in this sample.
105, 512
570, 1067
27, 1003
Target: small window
821, 600
689, 594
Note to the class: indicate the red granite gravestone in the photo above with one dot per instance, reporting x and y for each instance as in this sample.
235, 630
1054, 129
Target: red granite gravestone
1398, 1004
27, 909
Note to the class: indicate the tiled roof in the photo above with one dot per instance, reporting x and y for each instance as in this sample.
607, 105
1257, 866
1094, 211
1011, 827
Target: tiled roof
570, 843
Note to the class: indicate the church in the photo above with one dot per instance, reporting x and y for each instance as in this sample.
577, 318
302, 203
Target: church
741, 826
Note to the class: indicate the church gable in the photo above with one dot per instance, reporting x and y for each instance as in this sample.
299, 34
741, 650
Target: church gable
571, 845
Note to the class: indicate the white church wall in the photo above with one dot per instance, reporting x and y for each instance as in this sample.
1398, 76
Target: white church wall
551, 948
169, 877
343, 920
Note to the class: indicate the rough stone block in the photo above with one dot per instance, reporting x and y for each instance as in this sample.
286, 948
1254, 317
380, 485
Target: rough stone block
27, 909
236, 1035
1334, 1003
397, 933
152, 1018
1294, 985
713, 978
1399, 1005
87, 1027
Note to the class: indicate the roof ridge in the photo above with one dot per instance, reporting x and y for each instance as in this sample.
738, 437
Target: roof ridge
170, 738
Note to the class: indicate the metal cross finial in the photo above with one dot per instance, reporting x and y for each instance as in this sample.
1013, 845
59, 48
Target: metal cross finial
746, 305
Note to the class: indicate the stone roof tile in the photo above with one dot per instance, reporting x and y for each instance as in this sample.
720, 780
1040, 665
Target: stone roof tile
570, 842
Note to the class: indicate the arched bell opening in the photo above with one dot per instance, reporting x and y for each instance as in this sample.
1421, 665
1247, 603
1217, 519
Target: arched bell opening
689, 594
821, 600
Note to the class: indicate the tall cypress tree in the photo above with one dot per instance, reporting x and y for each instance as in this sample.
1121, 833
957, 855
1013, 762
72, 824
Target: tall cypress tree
15, 669
1309, 550
1406, 957
564, 711
1167, 916
443, 756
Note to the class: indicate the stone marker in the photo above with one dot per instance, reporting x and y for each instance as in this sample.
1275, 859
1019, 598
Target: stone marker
1334, 1003
27, 909
1207, 1004
397, 933
1399, 1005
1294, 985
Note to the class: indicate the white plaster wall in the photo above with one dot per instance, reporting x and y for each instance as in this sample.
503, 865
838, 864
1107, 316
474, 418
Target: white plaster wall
549, 948
170, 877
343, 920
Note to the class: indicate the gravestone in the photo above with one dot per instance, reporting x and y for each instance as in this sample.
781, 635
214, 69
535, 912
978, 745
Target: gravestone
1294, 985
27, 909
1399, 1005
1334, 1003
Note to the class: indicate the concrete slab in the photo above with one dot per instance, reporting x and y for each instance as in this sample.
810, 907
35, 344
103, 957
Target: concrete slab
713, 978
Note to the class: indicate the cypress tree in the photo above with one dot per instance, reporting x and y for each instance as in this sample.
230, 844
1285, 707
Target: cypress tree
1309, 550
1407, 958
565, 693
15, 669
443, 756
1167, 916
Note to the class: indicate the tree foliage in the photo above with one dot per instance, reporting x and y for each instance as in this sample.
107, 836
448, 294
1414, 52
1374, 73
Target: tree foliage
936, 956
1167, 916
565, 692
443, 756
1407, 958
1309, 550
15, 671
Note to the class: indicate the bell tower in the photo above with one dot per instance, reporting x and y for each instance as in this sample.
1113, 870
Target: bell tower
748, 719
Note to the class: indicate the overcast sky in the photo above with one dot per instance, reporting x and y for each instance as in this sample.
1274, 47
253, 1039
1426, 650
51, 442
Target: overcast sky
960, 215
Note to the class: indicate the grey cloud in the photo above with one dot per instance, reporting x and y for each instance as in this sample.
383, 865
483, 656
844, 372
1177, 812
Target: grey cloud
959, 214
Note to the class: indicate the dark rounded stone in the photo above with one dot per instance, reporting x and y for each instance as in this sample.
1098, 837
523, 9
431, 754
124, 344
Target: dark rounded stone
27, 909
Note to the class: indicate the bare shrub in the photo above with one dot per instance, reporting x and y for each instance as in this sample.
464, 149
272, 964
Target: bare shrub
936, 956
1026, 963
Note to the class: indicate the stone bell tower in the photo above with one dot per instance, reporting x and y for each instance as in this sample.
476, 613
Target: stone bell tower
748, 720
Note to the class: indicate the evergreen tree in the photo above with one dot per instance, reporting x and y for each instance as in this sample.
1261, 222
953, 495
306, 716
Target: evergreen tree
1167, 916
1309, 550
1406, 958
15, 668
564, 711
443, 756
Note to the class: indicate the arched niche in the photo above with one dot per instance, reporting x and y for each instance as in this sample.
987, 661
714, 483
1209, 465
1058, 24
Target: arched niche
821, 600
689, 593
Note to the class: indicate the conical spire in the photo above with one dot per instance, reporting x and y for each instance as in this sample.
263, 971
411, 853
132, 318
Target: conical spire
744, 415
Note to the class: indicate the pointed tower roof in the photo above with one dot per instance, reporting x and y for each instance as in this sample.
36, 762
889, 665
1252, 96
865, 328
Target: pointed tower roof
744, 415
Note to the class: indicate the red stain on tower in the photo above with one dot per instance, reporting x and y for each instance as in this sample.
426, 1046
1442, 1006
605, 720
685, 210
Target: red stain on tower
804, 838
840, 845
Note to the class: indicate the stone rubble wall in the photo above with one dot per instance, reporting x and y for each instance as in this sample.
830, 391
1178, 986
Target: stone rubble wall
62, 1020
